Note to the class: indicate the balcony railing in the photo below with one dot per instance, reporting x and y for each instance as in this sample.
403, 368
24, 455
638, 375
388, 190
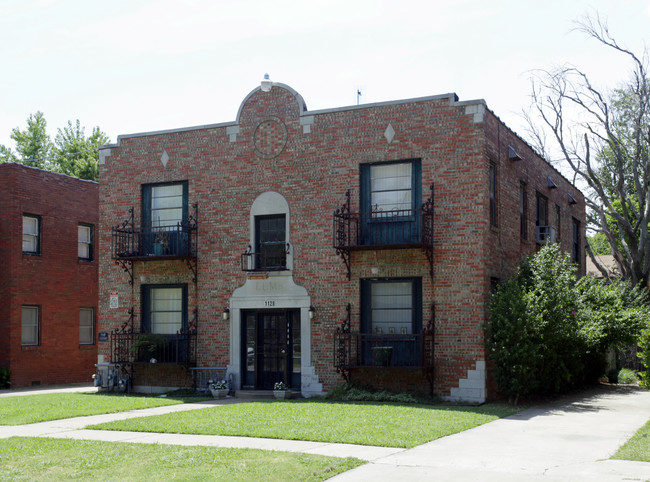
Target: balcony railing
130, 242
362, 350
179, 348
273, 259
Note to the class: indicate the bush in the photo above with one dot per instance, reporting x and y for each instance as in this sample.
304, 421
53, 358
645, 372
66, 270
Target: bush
625, 375
644, 355
5, 374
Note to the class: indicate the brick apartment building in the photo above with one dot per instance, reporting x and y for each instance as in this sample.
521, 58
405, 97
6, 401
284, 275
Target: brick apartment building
310, 247
48, 279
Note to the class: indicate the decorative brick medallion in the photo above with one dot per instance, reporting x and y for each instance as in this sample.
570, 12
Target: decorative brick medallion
270, 138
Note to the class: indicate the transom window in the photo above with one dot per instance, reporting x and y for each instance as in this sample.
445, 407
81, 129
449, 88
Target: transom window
31, 234
391, 187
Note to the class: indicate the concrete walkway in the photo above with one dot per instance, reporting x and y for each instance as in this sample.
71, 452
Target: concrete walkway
567, 440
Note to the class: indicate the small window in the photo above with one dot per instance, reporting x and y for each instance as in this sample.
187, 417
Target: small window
271, 242
85, 242
493, 195
30, 335
31, 234
523, 211
576, 242
86, 326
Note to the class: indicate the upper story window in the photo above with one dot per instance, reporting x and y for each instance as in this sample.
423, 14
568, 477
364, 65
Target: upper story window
31, 234
576, 241
523, 210
164, 205
542, 210
270, 242
558, 221
270, 247
85, 242
390, 198
493, 194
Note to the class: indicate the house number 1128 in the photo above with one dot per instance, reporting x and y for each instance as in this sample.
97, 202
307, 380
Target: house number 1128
269, 303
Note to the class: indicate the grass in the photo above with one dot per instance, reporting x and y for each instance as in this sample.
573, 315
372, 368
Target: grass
364, 423
638, 447
60, 459
41, 408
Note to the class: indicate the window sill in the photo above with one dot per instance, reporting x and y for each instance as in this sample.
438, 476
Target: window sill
32, 255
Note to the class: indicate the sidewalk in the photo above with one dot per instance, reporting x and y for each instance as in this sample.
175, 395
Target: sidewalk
567, 440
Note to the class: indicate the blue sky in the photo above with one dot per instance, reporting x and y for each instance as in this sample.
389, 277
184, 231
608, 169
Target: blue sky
136, 66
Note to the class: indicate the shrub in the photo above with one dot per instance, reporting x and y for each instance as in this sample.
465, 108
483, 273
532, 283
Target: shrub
644, 355
625, 375
5, 374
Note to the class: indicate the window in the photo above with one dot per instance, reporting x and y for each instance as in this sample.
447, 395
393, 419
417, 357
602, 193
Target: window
493, 194
85, 242
164, 308
523, 211
576, 241
86, 326
542, 210
164, 210
390, 198
270, 242
390, 308
30, 335
31, 234
558, 221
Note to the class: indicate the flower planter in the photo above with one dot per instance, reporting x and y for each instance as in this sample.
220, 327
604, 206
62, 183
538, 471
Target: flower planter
281, 394
219, 393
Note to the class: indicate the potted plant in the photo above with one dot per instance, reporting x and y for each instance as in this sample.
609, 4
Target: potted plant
160, 243
383, 355
219, 389
281, 391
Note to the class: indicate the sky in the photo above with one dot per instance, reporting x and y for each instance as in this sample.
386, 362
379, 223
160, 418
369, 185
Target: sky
132, 66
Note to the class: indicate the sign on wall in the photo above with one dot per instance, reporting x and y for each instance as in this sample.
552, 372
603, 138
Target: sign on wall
114, 300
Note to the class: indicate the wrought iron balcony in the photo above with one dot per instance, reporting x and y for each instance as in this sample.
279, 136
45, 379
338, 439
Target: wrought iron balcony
129, 348
403, 228
273, 258
145, 243
362, 350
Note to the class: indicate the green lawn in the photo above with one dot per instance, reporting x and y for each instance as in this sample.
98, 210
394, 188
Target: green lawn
365, 423
20, 410
60, 459
638, 447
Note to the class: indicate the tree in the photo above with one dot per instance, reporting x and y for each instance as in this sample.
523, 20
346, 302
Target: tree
604, 138
76, 155
71, 153
33, 145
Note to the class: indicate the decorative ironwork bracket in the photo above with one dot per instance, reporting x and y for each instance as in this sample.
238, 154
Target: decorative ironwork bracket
341, 240
341, 355
427, 234
127, 267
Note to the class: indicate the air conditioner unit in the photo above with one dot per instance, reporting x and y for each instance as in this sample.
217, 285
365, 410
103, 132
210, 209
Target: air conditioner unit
545, 234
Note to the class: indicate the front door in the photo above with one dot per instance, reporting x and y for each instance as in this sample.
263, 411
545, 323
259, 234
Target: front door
269, 348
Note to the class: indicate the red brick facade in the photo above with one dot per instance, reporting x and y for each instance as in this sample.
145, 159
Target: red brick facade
55, 282
303, 162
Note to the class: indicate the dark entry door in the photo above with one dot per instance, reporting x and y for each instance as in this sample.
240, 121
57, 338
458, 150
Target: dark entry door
268, 348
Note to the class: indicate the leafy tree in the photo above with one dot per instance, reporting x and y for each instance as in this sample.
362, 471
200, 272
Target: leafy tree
599, 244
76, 155
72, 153
33, 145
604, 138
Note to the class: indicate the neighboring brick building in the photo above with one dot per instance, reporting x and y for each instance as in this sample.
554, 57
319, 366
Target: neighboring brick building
48, 279
313, 246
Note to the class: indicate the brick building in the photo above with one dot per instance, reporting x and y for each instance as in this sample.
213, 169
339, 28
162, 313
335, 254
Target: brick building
48, 279
310, 247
